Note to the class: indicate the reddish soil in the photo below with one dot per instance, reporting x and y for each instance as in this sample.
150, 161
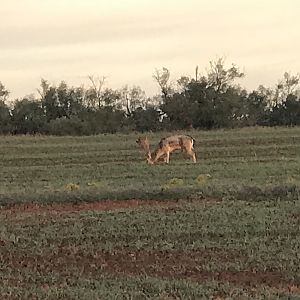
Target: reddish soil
105, 205
163, 264
187, 265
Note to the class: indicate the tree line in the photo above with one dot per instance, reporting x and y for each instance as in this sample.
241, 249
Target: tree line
208, 101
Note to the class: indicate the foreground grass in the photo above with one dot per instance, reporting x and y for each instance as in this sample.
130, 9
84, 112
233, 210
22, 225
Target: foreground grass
193, 250
230, 229
241, 163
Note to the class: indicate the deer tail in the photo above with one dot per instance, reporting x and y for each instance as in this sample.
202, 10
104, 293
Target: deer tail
193, 141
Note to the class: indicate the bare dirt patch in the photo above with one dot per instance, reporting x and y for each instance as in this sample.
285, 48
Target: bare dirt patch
42, 214
187, 265
105, 205
22, 211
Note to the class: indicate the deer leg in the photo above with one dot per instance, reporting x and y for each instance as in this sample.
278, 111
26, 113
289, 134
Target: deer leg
192, 154
159, 154
167, 157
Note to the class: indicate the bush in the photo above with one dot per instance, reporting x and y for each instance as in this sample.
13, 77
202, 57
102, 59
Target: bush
64, 126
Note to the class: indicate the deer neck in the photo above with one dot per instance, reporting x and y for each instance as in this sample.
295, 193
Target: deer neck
149, 154
147, 151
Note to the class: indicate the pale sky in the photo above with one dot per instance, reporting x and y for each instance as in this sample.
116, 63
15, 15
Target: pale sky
125, 40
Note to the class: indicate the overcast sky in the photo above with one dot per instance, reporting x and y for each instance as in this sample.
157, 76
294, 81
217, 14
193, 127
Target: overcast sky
125, 40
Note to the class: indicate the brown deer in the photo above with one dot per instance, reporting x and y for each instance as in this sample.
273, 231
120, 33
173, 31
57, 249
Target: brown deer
166, 146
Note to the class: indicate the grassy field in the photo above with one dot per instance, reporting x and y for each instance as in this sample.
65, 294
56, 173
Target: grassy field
49, 169
87, 218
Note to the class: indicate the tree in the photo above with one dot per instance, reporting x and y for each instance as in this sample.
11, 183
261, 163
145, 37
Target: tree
285, 87
72, 126
200, 104
112, 98
183, 82
44, 88
132, 98
162, 77
221, 78
180, 110
146, 119
184, 108
5, 118
283, 101
61, 101
292, 110
49, 101
287, 113
28, 117
70, 100
3, 92
105, 120
256, 108
94, 93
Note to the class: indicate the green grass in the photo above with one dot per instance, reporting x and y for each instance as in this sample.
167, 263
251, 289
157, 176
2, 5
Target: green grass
231, 235
196, 250
33, 169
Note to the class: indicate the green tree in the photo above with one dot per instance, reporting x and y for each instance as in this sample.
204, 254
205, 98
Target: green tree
162, 77
286, 86
105, 120
94, 94
50, 102
287, 113
283, 107
5, 118
112, 98
255, 108
61, 101
292, 110
131, 99
68, 126
146, 119
4, 93
207, 102
220, 77
28, 117
70, 100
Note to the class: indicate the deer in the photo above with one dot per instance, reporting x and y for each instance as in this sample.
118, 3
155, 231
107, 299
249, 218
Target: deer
167, 145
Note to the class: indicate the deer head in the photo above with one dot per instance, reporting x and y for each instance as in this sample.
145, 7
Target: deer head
143, 142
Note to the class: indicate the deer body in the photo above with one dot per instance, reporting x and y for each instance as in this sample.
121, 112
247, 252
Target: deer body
168, 145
